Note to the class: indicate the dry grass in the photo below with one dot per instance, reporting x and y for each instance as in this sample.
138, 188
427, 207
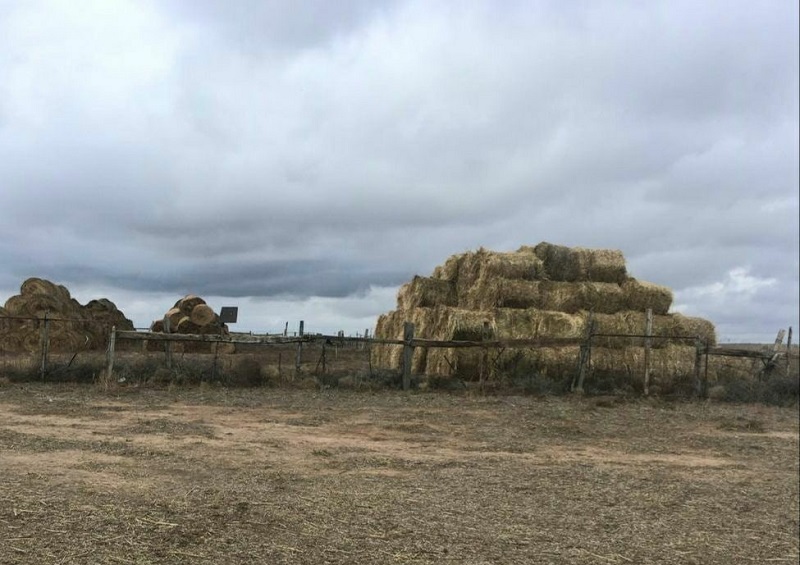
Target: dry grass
208, 475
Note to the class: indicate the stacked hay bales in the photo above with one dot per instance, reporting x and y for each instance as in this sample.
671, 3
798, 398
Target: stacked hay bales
189, 315
547, 291
74, 327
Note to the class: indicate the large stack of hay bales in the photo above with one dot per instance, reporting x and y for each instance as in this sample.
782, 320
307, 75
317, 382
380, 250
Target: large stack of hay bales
547, 291
190, 315
74, 327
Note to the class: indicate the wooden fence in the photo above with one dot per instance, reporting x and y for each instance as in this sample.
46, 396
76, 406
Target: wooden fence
703, 350
770, 357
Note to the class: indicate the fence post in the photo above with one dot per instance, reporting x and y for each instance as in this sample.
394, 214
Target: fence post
167, 344
408, 353
698, 362
485, 373
789, 352
648, 331
585, 357
216, 358
298, 356
112, 341
45, 343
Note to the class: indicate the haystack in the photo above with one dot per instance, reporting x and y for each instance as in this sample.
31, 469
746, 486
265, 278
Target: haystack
104, 315
190, 315
547, 291
73, 327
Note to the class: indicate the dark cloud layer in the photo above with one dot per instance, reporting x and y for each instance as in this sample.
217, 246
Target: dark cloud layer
285, 151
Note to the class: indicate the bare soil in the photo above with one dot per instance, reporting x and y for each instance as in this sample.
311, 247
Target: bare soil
211, 475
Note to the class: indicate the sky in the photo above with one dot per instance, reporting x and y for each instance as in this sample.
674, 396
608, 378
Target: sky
302, 160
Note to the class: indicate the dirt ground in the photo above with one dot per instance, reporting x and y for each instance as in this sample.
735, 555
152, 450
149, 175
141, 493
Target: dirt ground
208, 475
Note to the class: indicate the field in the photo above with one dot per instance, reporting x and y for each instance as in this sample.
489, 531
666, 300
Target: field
211, 475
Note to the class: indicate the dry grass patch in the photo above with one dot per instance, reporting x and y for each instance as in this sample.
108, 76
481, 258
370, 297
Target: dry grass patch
202, 475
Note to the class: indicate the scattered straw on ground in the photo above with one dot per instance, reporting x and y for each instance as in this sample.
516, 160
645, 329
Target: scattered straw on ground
273, 476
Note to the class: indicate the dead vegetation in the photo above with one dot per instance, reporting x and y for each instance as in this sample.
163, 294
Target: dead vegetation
213, 475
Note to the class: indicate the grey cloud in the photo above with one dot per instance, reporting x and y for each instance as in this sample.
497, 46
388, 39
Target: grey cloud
257, 25
288, 279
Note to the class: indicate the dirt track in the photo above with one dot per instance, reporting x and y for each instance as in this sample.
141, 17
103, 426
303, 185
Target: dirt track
204, 475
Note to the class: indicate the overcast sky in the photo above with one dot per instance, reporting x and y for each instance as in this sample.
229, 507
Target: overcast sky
304, 159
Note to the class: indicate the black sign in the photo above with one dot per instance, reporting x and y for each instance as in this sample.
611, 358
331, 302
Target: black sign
228, 314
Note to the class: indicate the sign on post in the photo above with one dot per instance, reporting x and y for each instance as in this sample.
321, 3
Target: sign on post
228, 314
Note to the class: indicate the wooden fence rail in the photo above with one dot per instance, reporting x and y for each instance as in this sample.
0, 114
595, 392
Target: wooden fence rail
769, 356
409, 343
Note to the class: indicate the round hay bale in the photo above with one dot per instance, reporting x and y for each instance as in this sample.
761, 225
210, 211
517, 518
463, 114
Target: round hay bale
68, 341
211, 329
641, 295
104, 314
101, 305
174, 315
36, 285
186, 326
11, 342
187, 303
15, 305
36, 305
157, 326
202, 315
197, 347
31, 341
63, 292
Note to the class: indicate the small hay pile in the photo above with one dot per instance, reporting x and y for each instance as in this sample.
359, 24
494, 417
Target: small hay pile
538, 291
74, 327
189, 315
